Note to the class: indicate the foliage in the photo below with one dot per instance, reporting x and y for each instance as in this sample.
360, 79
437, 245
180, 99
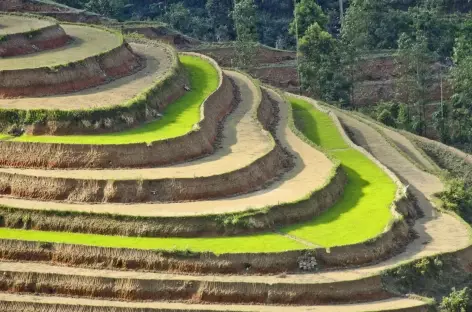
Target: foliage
307, 13
245, 20
270, 242
458, 198
178, 118
431, 277
367, 197
457, 301
320, 65
219, 12
373, 24
414, 63
461, 80
111, 8
181, 18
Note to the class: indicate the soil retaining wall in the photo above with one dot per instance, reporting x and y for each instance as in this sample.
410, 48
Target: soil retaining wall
50, 37
241, 181
117, 118
245, 222
7, 306
194, 290
196, 143
364, 253
75, 76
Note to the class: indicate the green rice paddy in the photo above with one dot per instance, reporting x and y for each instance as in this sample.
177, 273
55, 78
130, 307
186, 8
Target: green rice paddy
362, 213
178, 118
364, 209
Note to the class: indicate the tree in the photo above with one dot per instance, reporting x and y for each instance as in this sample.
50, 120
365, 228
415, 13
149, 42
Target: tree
373, 24
320, 65
219, 12
245, 20
458, 301
111, 8
307, 12
415, 60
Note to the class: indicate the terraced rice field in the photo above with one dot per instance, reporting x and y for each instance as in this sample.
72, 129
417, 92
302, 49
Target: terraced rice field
361, 214
268, 207
364, 209
178, 118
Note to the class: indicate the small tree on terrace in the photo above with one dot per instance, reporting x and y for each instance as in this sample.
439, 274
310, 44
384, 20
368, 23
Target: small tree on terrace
415, 70
307, 12
245, 20
320, 65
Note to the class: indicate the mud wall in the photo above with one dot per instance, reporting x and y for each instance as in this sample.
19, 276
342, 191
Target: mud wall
264, 55
118, 118
447, 157
254, 176
196, 143
7, 306
204, 225
38, 40
71, 17
90, 72
372, 92
285, 78
188, 262
194, 290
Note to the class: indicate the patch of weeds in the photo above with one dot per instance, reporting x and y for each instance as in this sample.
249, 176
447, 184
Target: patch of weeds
457, 301
433, 277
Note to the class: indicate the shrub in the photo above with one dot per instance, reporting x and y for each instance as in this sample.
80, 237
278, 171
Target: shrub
458, 198
386, 118
457, 301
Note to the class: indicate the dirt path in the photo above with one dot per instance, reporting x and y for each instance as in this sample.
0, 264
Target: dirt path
404, 145
244, 141
312, 169
384, 305
117, 92
88, 41
14, 24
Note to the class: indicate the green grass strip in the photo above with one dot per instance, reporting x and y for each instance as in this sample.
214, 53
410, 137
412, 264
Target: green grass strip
363, 212
254, 243
178, 118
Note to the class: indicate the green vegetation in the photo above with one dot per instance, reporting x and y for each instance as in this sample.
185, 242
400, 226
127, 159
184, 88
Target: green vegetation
178, 118
254, 243
361, 214
441, 278
364, 210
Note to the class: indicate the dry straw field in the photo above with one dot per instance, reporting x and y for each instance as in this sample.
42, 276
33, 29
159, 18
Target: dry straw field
137, 178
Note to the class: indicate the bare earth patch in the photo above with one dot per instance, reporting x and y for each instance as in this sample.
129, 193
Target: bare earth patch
87, 41
384, 305
117, 92
14, 24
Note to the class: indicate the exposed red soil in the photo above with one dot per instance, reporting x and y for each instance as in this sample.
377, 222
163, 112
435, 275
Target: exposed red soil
39, 45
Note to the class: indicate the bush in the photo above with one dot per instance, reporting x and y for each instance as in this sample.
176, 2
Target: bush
386, 118
458, 198
457, 301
